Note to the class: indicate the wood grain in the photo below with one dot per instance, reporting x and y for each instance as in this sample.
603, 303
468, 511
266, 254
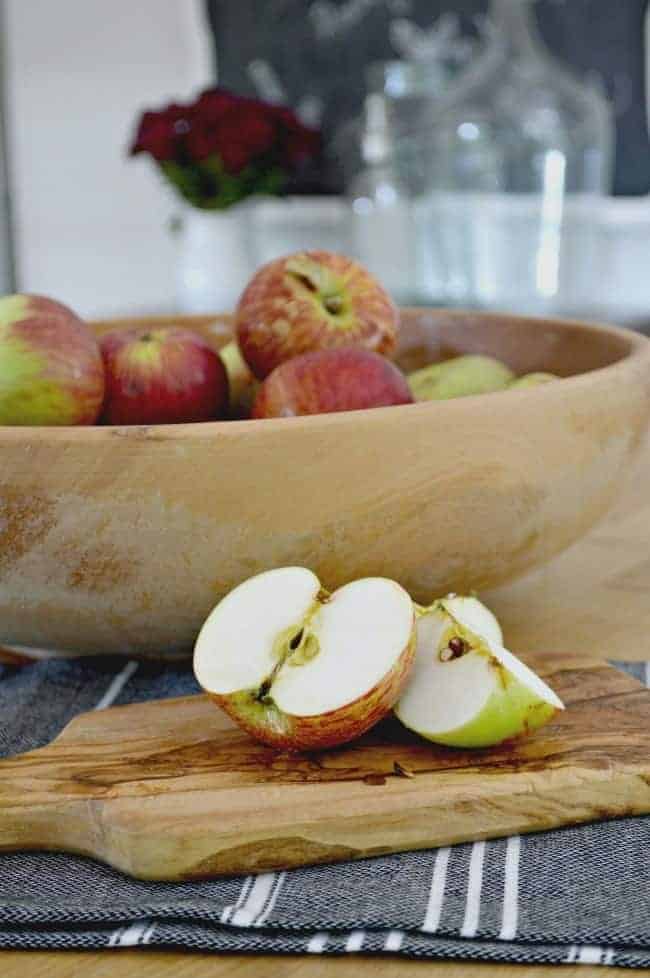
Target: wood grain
175, 964
122, 539
171, 790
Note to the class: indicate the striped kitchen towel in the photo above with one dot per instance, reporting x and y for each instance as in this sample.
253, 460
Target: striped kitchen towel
578, 895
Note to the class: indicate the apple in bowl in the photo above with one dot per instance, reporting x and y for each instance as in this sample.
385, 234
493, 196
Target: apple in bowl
313, 300
51, 369
162, 376
326, 381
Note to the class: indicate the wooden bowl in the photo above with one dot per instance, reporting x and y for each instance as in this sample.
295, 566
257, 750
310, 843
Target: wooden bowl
122, 539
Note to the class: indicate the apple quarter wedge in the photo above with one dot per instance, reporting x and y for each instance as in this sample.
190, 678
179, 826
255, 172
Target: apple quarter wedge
466, 689
301, 669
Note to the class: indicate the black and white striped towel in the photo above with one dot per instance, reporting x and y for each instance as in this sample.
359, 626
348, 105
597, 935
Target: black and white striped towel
574, 895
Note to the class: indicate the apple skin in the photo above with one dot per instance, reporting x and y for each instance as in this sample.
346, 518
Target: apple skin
312, 300
512, 708
162, 376
51, 370
532, 380
460, 377
266, 723
242, 384
349, 379
512, 711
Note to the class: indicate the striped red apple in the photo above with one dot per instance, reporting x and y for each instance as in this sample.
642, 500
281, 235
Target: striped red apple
312, 300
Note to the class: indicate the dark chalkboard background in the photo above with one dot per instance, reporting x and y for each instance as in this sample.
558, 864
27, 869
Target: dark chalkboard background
314, 54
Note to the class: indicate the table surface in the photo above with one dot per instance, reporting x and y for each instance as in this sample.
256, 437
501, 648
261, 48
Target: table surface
595, 596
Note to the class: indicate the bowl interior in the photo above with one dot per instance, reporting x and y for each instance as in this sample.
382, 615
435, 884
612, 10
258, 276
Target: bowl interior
526, 344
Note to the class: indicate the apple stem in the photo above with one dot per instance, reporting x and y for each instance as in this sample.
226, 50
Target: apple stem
333, 304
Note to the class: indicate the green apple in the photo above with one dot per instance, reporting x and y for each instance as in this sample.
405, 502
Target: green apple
243, 386
459, 377
533, 380
466, 689
302, 669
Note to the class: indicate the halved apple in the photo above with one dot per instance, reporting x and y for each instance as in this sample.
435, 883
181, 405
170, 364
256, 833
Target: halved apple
466, 689
299, 668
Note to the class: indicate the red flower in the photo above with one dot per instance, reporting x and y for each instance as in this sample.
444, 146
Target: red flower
214, 103
238, 131
238, 136
161, 133
249, 128
234, 157
202, 139
301, 143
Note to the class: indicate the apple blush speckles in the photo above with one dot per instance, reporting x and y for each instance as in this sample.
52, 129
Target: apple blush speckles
313, 300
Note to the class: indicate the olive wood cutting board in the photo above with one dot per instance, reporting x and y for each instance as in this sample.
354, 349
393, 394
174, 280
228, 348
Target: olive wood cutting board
171, 789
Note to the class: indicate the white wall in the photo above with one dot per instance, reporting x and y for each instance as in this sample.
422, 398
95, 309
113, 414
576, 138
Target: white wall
90, 223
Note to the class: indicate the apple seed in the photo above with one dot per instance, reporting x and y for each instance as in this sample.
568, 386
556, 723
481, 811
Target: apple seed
453, 650
307, 649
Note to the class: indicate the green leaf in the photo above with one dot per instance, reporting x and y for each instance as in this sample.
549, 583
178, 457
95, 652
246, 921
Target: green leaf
208, 186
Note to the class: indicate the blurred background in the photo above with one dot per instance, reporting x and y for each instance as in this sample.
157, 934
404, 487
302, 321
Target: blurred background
491, 155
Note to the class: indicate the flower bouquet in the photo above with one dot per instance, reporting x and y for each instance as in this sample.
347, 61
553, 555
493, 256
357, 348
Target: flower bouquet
222, 148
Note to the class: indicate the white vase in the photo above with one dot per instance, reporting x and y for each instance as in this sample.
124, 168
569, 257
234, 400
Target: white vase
215, 258
282, 225
218, 251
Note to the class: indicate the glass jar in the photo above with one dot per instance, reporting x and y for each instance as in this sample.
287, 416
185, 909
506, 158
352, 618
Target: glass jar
387, 197
382, 215
518, 150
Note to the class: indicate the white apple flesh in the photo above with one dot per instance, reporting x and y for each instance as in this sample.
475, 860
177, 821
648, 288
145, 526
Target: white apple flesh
466, 689
301, 669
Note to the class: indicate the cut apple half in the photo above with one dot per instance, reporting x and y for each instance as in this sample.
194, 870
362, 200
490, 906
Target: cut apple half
299, 668
466, 689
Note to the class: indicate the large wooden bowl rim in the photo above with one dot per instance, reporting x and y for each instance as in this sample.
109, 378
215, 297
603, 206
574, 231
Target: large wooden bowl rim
634, 347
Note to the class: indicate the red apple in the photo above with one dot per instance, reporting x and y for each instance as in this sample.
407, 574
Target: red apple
51, 369
162, 376
349, 379
313, 300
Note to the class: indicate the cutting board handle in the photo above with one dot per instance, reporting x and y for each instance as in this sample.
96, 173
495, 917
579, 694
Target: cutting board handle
45, 804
